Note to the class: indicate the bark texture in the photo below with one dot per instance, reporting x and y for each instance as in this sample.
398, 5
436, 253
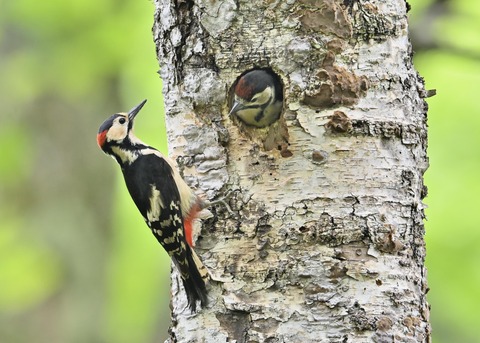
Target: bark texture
326, 244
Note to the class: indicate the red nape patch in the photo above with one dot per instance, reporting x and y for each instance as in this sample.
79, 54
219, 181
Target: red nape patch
101, 138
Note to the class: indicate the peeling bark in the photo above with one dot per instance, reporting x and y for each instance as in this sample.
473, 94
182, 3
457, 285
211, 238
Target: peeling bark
326, 244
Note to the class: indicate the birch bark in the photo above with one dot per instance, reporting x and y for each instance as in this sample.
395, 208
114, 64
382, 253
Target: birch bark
326, 244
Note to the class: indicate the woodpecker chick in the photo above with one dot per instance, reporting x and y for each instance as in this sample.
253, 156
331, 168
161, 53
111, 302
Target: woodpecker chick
258, 98
165, 201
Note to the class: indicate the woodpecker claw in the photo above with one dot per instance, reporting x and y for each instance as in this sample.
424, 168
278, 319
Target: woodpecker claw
223, 202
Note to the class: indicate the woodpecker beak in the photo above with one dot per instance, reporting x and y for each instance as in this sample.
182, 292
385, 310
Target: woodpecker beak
237, 106
134, 111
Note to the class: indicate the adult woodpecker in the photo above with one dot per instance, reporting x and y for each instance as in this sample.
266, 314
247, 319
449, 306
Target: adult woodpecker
258, 98
165, 201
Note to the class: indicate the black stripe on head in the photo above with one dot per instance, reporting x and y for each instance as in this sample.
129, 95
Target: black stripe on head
130, 125
107, 124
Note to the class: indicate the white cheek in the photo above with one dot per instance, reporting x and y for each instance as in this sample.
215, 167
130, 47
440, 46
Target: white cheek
264, 96
117, 133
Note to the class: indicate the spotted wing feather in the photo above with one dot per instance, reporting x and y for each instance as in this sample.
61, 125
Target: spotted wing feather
158, 200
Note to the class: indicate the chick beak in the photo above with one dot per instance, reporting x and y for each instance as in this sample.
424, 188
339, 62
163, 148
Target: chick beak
237, 106
134, 111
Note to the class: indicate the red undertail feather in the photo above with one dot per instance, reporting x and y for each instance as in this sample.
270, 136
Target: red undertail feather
188, 224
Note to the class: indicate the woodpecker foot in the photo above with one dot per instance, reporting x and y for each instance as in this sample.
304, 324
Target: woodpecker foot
222, 201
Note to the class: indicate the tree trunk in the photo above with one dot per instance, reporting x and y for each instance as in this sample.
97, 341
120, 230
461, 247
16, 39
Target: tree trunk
326, 244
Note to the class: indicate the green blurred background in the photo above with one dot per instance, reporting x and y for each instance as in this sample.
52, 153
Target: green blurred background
77, 263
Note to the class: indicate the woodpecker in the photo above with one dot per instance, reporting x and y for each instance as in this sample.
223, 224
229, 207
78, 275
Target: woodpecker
258, 98
165, 201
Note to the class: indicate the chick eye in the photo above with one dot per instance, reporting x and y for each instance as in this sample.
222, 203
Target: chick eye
122, 120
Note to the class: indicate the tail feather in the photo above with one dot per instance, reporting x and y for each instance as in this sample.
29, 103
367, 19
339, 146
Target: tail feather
194, 281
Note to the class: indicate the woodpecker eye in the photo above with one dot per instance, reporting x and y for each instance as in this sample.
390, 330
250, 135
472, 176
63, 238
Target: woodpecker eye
122, 120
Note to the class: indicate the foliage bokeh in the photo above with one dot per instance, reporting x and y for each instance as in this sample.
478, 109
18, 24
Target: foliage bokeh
446, 40
77, 263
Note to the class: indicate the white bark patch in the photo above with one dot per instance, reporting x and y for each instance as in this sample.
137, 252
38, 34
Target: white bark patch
212, 11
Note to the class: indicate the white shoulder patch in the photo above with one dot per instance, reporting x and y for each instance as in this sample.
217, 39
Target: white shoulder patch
187, 197
156, 205
127, 156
